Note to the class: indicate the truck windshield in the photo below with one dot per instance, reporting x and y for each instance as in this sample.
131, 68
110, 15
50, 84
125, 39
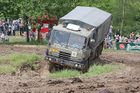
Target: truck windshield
60, 37
76, 41
68, 39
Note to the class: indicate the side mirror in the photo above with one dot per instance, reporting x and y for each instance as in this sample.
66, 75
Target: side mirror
91, 43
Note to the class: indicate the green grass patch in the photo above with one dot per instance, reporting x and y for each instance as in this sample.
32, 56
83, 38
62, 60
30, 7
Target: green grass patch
16, 60
7, 69
99, 69
13, 40
17, 39
93, 71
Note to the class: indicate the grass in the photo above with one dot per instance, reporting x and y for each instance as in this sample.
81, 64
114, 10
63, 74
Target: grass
7, 69
17, 39
22, 41
99, 69
14, 61
93, 71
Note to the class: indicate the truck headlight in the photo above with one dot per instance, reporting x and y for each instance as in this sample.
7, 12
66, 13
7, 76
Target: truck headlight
50, 59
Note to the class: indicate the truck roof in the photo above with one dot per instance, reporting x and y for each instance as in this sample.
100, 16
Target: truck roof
89, 15
84, 32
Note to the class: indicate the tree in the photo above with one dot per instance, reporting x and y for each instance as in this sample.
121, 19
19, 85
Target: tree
121, 11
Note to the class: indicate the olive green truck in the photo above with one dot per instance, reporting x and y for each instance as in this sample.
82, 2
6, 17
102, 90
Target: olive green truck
78, 38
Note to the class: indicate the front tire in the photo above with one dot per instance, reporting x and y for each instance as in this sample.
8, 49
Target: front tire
86, 68
51, 67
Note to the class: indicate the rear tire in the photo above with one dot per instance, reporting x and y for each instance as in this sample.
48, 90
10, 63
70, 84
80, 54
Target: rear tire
99, 50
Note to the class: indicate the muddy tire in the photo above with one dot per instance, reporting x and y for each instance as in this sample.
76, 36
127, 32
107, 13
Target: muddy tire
86, 67
99, 50
97, 53
51, 67
54, 67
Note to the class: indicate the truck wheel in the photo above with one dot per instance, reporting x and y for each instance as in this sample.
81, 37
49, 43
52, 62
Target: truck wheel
97, 53
99, 50
86, 68
51, 67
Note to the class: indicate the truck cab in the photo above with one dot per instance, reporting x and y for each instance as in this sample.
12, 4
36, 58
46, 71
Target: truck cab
75, 42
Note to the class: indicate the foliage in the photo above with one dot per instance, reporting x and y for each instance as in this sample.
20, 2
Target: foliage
123, 17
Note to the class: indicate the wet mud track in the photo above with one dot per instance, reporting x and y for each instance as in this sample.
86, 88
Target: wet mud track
126, 80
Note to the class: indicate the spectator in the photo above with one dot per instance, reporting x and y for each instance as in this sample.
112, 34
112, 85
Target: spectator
21, 27
9, 29
117, 37
108, 40
132, 36
137, 35
137, 40
13, 27
120, 38
1, 27
6, 27
34, 31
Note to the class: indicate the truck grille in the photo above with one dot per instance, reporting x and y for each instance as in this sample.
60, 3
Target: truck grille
64, 55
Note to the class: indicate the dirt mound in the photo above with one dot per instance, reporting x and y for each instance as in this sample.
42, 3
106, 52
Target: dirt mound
76, 80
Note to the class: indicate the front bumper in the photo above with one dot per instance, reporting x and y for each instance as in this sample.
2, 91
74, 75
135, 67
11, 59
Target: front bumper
68, 63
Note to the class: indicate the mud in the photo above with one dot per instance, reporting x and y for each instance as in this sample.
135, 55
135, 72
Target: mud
125, 80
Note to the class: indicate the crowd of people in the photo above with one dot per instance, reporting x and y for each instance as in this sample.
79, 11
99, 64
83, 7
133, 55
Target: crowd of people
46, 25
112, 39
132, 38
9, 28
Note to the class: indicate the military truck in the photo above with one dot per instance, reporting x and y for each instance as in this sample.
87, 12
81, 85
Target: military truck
78, 38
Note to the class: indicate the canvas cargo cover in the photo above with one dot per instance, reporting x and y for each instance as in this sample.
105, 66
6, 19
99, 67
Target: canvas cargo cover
89, 15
